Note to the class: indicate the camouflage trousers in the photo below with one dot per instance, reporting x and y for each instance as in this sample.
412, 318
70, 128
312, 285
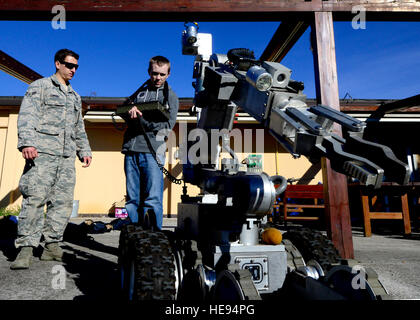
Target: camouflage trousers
46, 181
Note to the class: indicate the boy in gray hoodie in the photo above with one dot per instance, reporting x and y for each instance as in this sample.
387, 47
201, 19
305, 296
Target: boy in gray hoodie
144, 179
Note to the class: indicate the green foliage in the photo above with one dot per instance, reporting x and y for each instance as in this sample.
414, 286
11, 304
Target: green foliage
14, 211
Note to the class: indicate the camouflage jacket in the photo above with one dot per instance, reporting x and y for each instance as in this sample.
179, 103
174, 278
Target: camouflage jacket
50, 119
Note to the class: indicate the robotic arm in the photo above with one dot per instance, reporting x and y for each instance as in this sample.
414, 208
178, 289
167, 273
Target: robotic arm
266, 91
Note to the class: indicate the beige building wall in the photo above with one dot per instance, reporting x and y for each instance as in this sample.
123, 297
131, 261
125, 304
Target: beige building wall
103, 183
11, 160
4, 123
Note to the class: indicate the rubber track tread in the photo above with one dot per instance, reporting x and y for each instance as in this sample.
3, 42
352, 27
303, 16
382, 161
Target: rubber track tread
154, 263
312, 244
127, 233
294, 258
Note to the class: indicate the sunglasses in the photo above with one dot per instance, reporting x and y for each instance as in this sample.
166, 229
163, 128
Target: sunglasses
69, 65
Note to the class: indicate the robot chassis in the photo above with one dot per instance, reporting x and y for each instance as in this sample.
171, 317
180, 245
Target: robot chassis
216, 252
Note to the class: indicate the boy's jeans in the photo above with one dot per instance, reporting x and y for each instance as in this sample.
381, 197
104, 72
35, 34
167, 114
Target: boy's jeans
144, 183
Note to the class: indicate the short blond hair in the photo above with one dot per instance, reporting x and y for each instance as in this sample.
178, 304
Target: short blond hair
159, 60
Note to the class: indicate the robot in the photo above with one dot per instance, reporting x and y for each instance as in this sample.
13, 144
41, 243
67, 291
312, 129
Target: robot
217, 252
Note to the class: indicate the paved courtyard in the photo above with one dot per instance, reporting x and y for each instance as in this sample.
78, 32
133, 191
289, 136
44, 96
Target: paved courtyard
90, 268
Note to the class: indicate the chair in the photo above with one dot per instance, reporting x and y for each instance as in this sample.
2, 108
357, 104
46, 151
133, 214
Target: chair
372, 197
298, 192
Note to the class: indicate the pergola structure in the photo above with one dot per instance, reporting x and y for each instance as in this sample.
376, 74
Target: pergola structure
296, 17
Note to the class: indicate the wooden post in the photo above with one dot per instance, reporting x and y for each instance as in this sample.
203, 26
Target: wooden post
405, 213
366, 215
335, 184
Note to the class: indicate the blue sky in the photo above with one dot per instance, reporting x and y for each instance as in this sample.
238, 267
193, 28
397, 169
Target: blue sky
379, 62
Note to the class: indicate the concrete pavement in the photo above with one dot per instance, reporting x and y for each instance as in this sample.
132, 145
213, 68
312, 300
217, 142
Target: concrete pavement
89, 270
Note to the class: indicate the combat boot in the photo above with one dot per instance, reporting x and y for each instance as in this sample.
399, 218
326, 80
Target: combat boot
23, 259
52, 251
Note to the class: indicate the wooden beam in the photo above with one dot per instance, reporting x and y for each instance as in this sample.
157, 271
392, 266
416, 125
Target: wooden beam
16, 69
165, 6
286, 35
386, 215
221, 10
212, 6
372, 5
395, 106
335, 184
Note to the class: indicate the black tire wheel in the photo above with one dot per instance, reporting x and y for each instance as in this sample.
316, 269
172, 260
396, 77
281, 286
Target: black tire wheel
128, 232
152, 267
192, 288
313, 245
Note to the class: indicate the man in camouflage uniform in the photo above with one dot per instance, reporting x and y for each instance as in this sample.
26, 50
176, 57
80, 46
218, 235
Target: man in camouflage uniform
50, 134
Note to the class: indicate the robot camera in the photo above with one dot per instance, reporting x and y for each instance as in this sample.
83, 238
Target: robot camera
189, 39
